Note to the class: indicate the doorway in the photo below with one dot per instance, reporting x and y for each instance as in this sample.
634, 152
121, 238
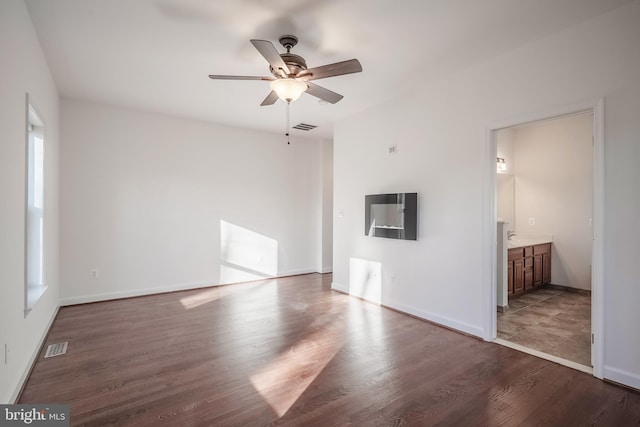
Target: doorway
574, 280
545, 204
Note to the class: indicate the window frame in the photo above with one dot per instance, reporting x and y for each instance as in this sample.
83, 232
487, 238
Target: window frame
34, 247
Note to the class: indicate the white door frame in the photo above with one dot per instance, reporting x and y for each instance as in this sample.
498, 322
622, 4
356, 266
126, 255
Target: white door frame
489, 282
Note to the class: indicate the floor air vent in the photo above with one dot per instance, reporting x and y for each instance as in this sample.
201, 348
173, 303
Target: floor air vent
56, 349
304, 126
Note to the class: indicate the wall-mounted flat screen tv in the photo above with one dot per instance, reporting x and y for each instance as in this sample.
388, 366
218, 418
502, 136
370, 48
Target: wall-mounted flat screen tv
394, 216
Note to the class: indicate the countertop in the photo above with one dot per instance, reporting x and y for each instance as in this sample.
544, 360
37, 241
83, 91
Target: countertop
522, 241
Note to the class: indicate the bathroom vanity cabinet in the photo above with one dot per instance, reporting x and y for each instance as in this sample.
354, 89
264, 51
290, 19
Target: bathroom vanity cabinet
528, 267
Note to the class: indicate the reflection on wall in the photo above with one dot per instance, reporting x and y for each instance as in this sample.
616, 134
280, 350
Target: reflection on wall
246, 255
365, 279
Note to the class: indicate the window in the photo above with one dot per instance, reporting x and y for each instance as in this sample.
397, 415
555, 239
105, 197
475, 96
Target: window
34, 248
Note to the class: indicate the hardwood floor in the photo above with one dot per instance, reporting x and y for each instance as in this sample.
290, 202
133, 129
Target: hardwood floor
551, 321
292, 352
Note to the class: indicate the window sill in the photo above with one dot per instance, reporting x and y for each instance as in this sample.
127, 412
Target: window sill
33, 296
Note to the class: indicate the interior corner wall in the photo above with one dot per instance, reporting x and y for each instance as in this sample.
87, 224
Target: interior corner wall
327, 206
441, 134
24, 70
151, 203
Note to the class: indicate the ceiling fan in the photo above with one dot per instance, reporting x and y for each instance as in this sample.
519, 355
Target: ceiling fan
291, 76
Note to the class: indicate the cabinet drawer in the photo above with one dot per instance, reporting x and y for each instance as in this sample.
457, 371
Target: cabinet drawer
528, 251
542, 249
515, 253
528, 262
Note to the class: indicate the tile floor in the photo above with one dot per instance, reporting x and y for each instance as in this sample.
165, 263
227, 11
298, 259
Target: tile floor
552, 321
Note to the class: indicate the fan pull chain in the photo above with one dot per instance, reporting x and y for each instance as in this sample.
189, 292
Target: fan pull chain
286, 132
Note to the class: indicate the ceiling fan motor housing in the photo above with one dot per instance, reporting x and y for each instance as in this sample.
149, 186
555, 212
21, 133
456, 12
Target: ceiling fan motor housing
296, 64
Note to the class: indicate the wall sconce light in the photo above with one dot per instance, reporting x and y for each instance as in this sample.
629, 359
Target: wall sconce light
501, 165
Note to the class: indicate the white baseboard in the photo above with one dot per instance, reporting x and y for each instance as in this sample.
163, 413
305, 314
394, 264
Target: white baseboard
27, 370
326, 270
296, 272
133, 293
444, 321
622, 377
338, 287
159, 290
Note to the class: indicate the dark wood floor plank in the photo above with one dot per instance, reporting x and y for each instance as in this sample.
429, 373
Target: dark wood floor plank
292, 352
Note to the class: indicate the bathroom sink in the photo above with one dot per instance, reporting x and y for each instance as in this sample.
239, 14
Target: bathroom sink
518, 242
514, 243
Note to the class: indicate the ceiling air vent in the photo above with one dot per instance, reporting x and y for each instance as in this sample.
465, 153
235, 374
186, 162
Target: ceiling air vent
304, 126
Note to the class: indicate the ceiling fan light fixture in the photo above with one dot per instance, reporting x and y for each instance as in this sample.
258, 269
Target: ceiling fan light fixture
288, 89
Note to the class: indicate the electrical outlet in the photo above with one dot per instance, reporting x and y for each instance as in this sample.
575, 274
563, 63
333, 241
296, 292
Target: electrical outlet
532, 221
95, 274
393, 149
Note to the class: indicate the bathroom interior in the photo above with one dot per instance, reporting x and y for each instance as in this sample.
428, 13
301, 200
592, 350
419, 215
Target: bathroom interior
545, 234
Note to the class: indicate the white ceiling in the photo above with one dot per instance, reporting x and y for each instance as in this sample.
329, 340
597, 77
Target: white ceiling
155, 55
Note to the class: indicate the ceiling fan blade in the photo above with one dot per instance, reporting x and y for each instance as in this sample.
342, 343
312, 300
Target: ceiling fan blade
323, 93
331, 70
270, 99
268, 50
222, 77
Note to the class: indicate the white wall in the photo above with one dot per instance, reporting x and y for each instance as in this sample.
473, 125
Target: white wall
327, 206
554, 185
441, 133
156, 203
24, 69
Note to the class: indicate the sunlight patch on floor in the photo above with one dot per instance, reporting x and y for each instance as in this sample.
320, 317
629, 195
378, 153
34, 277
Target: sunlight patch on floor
202, 297
285, 379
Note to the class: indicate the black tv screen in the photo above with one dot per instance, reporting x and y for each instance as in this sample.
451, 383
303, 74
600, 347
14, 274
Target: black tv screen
394, 216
